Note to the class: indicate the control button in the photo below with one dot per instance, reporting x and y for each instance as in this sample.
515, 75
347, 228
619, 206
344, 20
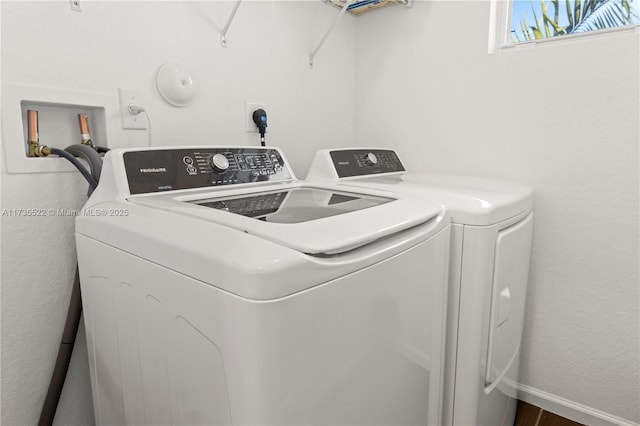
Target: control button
188, 160
192, 170
371, 159
219, 163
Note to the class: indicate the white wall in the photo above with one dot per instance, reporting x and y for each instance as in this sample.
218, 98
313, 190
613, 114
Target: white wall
561, 117
122, 44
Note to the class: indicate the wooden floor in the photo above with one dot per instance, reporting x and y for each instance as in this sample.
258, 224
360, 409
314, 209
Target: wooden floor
530, 415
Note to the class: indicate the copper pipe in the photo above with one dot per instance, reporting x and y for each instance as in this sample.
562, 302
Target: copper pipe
85, 134
32, 132
33, 138
32, 125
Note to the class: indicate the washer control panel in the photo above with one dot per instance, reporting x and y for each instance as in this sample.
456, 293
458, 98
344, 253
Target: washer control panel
170, 169
361, 162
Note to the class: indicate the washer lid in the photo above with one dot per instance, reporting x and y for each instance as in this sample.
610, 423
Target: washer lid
309, 219
294, 205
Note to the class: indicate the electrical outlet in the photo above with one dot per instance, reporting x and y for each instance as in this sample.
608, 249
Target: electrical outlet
249, 107
132, 97
75, 5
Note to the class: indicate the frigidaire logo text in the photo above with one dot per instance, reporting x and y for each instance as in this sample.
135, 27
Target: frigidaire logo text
154, 170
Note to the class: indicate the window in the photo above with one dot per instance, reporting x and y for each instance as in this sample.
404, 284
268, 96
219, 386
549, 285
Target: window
522, 21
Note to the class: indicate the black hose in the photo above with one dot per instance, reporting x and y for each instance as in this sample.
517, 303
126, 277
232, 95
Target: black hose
90, 155
65, 350
85, 173
74, 312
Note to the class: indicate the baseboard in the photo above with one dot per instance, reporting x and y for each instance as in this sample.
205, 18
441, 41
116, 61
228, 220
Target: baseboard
569, 409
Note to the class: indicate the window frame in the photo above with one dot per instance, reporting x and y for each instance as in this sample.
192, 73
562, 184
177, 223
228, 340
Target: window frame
500, 30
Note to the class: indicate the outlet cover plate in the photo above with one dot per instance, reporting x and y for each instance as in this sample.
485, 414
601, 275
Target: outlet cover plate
132, 97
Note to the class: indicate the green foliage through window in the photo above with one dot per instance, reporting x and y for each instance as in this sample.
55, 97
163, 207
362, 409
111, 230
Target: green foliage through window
540, 19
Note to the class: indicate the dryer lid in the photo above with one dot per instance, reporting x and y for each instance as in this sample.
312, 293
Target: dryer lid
469, 200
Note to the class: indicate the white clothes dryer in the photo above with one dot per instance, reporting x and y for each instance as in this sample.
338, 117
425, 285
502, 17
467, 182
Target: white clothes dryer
491, 236
218, 289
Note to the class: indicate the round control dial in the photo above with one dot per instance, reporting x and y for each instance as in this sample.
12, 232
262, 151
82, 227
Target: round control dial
219, 163
371, 159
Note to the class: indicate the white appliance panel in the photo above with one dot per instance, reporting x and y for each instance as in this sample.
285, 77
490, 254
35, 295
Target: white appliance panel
365, 348
511, 273
474, 401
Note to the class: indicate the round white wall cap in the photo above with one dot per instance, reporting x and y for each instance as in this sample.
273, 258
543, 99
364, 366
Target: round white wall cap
175, 84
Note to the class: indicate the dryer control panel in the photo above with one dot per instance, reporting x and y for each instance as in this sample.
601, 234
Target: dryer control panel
160, 170
360, 162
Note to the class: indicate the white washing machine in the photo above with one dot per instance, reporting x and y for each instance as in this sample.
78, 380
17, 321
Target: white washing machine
492, 225
218, 289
